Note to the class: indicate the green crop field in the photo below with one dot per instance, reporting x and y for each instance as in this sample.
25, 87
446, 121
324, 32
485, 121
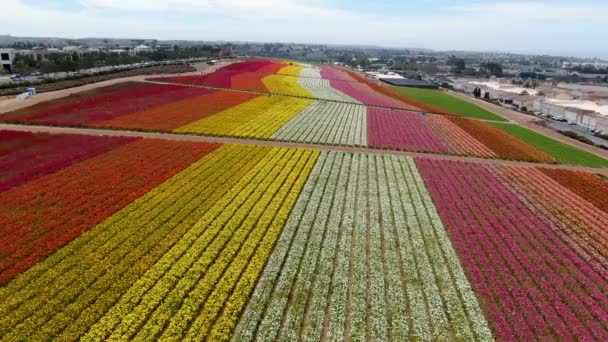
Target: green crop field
564, 153
448, 102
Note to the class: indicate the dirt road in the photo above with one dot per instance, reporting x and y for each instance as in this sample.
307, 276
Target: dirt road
272, 143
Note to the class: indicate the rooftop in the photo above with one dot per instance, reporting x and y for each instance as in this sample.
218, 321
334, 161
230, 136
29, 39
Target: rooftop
406, 82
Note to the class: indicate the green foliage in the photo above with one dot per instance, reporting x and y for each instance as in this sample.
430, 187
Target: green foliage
491, 69
458, 65
448, 102
61, 62
564, 153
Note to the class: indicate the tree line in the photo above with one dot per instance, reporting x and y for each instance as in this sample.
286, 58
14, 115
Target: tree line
64, 62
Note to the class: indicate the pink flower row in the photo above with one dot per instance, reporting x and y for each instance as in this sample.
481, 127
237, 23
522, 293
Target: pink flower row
531, 282
409, 131
402, 131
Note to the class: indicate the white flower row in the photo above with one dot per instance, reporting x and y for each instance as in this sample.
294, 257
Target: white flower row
321, 88
364, 256
327, 123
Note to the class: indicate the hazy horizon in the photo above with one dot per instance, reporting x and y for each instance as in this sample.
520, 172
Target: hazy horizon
557, 27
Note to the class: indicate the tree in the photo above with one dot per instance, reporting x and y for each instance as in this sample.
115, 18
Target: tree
458, 65
492, 68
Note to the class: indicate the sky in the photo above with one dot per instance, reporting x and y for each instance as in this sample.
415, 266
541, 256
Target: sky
558, 27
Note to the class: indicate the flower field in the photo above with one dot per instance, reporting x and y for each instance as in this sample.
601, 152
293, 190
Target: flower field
539, 262
55, 204
103, 104
258, 118
346, 266
116, 238
321, 89
201, 237
27, 156
295, 116
327, 123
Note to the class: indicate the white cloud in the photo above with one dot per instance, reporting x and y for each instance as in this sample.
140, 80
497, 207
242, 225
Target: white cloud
507, 26
262, 8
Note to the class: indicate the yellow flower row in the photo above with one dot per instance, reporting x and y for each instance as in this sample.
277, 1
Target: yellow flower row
258, 118
276, 216
291, 70
68, 292
286, 85
227, 247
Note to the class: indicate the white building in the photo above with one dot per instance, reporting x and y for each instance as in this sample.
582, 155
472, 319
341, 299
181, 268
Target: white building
7, 56
141, 48
523, 101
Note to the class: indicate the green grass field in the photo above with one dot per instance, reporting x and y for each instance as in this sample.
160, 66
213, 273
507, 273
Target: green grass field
448, 102
564, 153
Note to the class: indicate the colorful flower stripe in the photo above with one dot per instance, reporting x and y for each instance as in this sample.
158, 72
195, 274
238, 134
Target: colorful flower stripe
580, 217
58, 105
590, 187
383, 89
208, 260
531, 282
42, 215
271, 68
37, 155
257, 118
504, 145
362, 92
177, 114
363, 256
249, 81
321, 89
249, 66
311, 72
330, 73
285, 85
327, 123
218, 79
457, 140
402, 131
94, 271
104, 107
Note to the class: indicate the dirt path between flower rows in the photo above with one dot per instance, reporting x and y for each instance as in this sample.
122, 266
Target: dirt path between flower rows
10, 103
530, 122
274, 143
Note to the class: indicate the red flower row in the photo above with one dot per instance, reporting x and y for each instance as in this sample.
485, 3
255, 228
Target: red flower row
45, 214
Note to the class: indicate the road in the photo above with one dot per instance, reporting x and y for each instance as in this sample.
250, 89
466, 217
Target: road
564, 126
274, 143
530, 122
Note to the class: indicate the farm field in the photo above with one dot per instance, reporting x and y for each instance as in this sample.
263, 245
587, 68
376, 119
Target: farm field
560, 151
52, 201
318, 219
229, 113
292, 79
448, 103
263, 243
